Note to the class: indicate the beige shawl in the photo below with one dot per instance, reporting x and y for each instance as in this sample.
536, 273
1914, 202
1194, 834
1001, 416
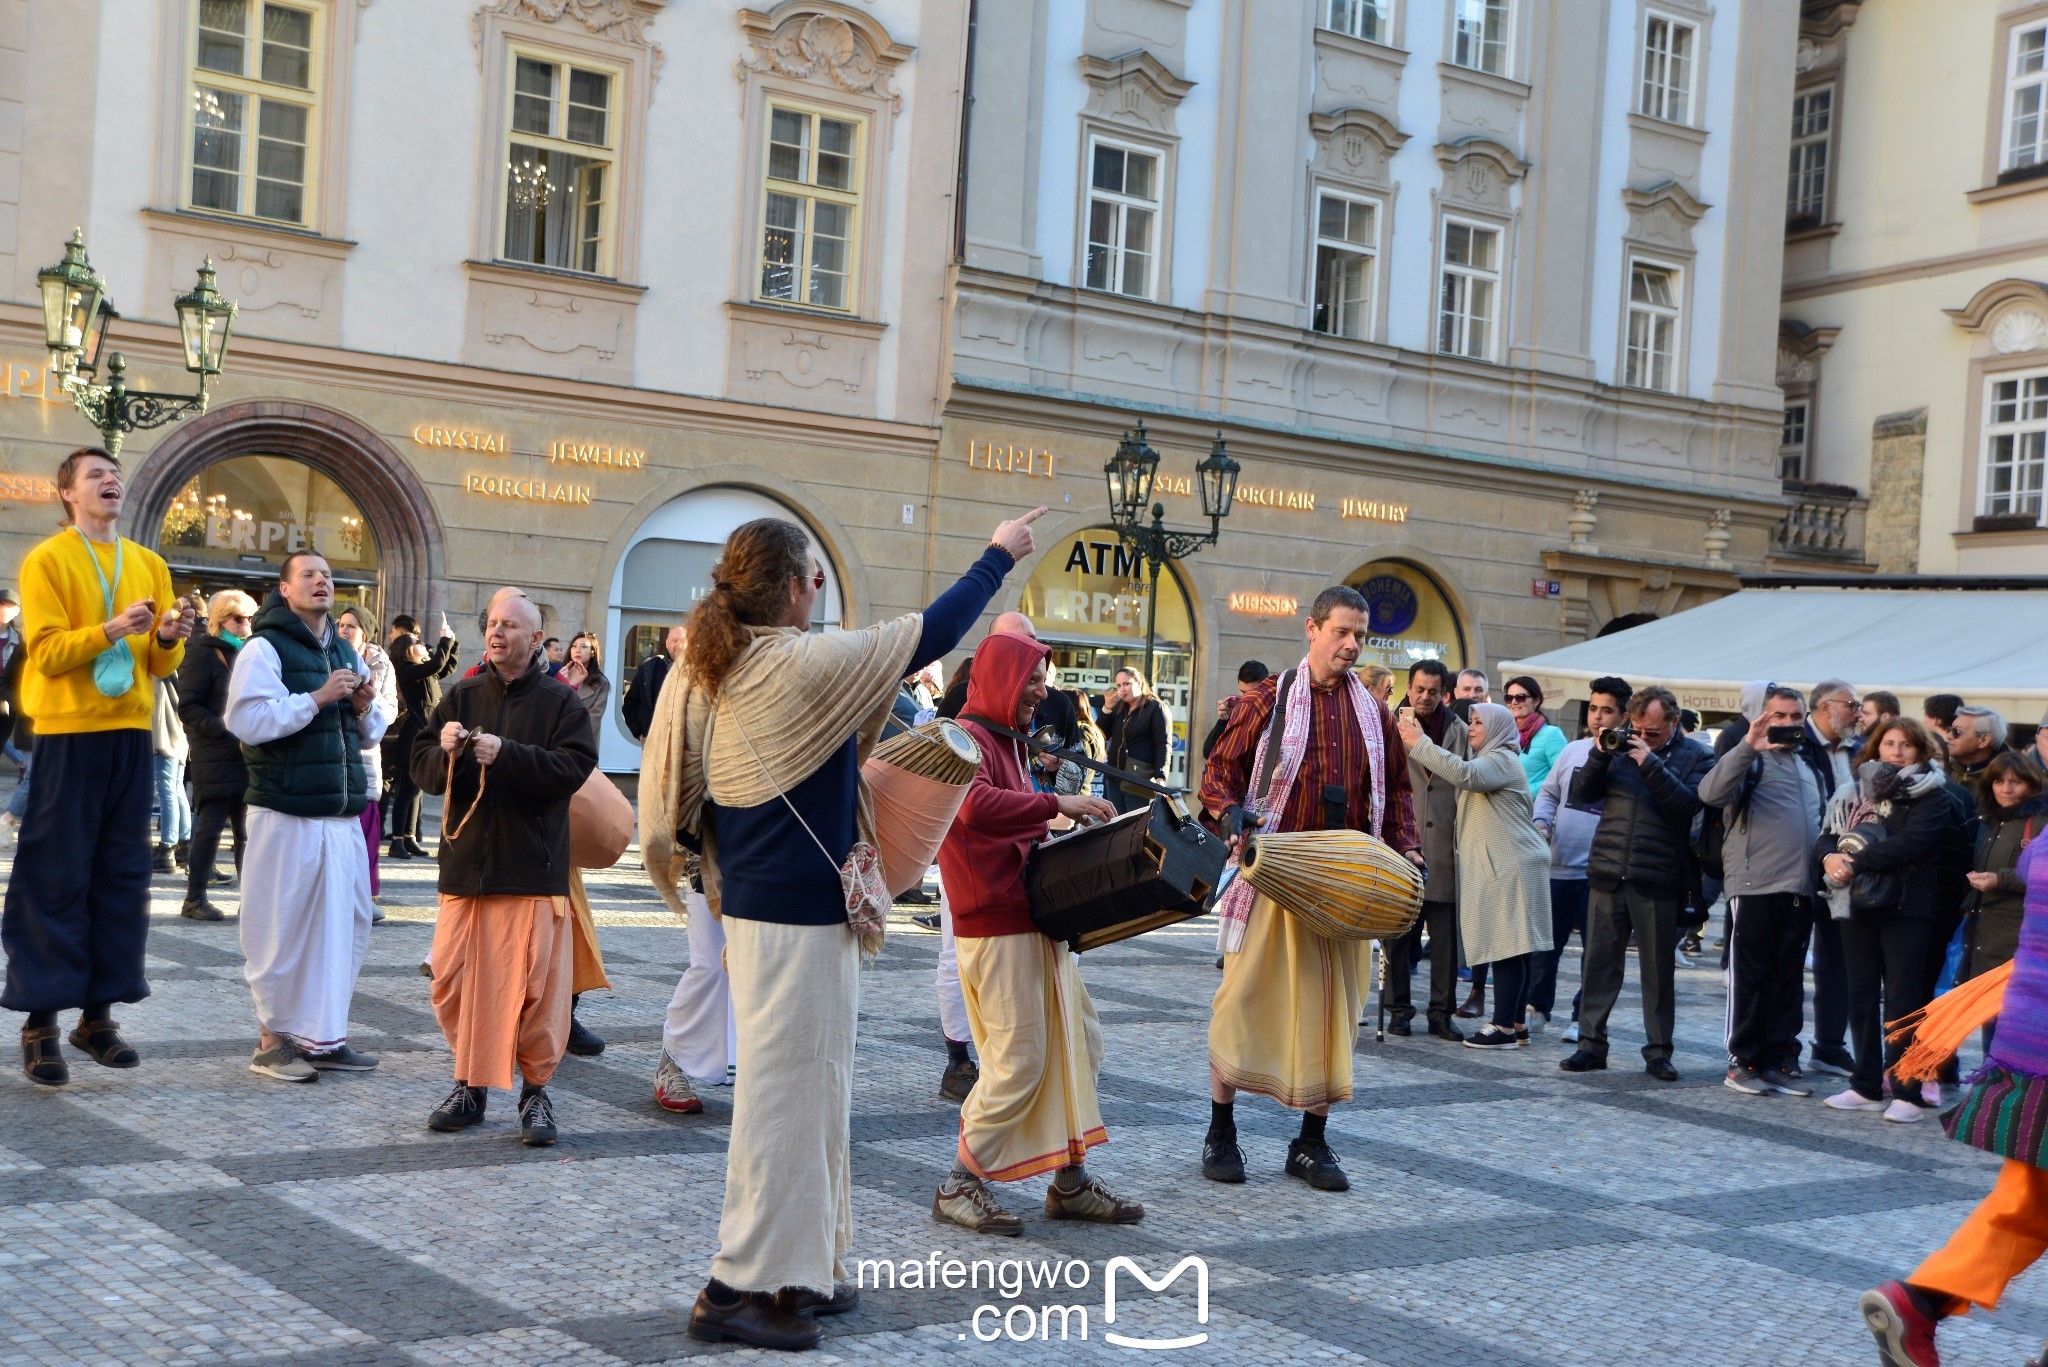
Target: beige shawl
798, 696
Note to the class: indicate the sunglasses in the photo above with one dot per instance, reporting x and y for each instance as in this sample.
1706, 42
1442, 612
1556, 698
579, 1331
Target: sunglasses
1519, 697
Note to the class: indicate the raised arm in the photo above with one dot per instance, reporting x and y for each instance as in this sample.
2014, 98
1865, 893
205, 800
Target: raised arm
1488, 774
953, 612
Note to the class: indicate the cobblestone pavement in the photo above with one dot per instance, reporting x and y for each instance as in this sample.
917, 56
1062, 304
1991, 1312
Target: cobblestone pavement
1501, 1214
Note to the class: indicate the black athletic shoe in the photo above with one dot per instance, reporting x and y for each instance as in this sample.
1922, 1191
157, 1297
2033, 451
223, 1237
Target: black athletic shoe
463, 1108
1222, 1159
1312, 1161
582, 1042
958, 1081
398, 851
928, 919
536, 1118
1398, 1028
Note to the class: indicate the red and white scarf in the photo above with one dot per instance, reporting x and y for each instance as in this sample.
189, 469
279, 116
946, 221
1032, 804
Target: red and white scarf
1234, 908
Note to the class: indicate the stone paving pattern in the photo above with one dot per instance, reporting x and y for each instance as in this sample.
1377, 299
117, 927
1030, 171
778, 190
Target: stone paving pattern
1502, 1214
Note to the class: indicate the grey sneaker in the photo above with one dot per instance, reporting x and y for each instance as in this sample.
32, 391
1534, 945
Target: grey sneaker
1785, 1081
1748, 1081
283, 1061
342, 1059
536, 1118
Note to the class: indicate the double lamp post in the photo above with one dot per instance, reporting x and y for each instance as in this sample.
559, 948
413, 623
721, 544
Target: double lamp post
1131, 473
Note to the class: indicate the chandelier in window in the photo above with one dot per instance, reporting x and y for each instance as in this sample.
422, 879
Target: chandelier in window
530, 187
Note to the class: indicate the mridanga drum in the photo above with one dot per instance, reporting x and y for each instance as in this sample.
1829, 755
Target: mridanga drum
1342, 884
918, 780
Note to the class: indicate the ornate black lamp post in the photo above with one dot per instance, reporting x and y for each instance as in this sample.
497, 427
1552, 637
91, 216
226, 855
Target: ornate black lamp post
1131, 472
76, 319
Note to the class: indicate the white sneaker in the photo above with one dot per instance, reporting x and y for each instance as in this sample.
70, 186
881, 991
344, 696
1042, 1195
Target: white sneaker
1681, 958
1571, 1033
1536, 1021
10, 826
1904, 1112
1931, 1093
1852, 1100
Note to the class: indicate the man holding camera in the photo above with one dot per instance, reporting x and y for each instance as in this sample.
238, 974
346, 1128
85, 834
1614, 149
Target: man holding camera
1772, 787
1646, 777
304, 707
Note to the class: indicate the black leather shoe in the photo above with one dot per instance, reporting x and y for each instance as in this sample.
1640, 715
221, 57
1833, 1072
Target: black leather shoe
1222, 1159
536, 1118
1661, 1069
1446, 1030
417, 850
845, 1296
753, 1317
398, 851
1312, 1161
102, 1039
463, 1108
1584, 1061
1474, 1004
1402, 1028
201, 910
42, 1059
583, 1043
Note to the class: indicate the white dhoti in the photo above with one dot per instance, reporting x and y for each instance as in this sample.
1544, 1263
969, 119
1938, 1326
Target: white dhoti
952, 1005
698, 1032
305, 923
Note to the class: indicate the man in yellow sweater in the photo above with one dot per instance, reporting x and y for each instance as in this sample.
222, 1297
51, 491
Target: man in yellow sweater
77, 909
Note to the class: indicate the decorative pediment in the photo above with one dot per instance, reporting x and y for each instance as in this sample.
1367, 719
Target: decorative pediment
1663, 215
831, 44
1823, 34
1355, 143
2012, 315
1800, 348
1478, 171
1134, 89
619, 21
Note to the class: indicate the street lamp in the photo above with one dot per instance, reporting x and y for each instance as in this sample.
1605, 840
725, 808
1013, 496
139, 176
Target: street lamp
77, 316
1131, 472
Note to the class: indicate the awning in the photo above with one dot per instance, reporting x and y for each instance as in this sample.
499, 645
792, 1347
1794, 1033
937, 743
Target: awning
1989, 645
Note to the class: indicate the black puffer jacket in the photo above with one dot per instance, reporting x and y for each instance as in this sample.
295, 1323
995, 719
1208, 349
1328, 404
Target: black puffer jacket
517, 844
216, 764
1646, 811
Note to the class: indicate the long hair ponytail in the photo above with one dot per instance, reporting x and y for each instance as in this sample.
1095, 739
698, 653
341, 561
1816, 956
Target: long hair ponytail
749, 588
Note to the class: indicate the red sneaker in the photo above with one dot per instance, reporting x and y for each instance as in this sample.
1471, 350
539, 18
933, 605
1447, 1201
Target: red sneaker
1905, 1336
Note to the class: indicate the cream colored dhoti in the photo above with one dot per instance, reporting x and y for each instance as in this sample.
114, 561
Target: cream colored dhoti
1034, 1108
788, 1218
1285, 1016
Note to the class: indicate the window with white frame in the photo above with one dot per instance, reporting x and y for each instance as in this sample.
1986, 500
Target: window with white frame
255, 103
2016, 443
560, 165
1372, 20
1669, 63
811, 214
1468, 290
1792, 441
1123, 219
1347, 264
1806, 186
1651, 359
1479, 34
2026, 100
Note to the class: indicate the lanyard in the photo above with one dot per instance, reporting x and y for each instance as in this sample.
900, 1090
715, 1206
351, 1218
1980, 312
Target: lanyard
94, 556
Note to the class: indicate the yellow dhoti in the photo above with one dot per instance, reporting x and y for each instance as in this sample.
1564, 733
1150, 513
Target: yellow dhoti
1285, 1017
1034, 1108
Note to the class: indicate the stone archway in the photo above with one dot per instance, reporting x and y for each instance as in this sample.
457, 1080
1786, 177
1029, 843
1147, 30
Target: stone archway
401, 512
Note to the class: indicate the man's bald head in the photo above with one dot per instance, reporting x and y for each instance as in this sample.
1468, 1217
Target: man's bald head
1015, 622
513, 605
512, 633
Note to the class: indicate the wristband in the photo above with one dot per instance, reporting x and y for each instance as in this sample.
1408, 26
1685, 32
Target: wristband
171, 644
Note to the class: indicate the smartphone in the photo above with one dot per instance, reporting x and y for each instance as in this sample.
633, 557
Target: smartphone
1405, 713
1784, 735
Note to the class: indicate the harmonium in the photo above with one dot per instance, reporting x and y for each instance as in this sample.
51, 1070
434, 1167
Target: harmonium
1152, 867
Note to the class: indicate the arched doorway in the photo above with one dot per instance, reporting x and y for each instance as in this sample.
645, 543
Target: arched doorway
664, 570
396, 516
233, 524
1409, 617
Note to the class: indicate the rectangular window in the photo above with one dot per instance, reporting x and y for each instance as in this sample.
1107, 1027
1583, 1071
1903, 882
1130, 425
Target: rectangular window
2026, 100
254, 100
1468, 291
1653, 303
1123, 219
1806, 187
1347, 258
2016, 444
1668, 65
1372, 20
812, 207
559, 166
1792, 442
1479, 35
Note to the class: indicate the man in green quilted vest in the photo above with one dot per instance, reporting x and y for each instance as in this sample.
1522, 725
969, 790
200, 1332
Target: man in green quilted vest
302, 704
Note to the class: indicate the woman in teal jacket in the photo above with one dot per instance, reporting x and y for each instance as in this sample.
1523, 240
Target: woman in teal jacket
1542, 743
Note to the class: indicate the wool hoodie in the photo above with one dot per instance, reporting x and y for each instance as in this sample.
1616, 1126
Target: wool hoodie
982, 861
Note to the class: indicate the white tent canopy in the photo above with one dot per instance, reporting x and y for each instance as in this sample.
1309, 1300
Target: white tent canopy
1989, 645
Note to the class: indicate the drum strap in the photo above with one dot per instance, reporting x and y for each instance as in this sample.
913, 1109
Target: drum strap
1040, 747
1274, 730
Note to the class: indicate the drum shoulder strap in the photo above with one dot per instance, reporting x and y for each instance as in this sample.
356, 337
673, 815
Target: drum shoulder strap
1276, 727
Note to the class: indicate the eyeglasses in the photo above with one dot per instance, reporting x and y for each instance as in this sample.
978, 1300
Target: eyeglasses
1519, 697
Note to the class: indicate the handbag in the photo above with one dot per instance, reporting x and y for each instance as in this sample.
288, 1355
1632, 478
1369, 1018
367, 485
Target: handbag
860, 876
113, 669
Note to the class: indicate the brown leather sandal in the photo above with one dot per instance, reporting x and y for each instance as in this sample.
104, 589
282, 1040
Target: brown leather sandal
41, 1059
102, 1039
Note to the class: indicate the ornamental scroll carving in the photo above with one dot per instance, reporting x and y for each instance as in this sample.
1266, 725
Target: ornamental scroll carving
813, 45
619, 21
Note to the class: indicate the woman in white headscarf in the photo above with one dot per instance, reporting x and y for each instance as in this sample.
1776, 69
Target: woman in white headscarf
1503, 863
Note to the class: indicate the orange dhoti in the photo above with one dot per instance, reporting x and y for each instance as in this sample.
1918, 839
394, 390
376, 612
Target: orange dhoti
2001, 1238
502, 981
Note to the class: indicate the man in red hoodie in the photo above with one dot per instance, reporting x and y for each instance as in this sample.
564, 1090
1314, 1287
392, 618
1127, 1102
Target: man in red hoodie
1034, 1109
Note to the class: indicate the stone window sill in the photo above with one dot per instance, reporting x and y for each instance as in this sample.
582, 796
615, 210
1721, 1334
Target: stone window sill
786, 316
1684, 132
190, 223
1813, 232
1485, 80
547, 278
2010, 190
1361, 47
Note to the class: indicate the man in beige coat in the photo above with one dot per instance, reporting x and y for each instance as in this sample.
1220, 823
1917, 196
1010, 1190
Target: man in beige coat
1436, 820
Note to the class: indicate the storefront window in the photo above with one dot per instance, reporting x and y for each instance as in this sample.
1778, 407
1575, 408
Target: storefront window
1087, 600
233, 526
1408, 617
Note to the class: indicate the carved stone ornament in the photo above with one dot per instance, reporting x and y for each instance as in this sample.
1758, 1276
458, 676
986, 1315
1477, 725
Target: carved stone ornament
1478, 171
619, 21
1793, 368
1663, 215
1583, 519
1800, 347
1356, 144
1135, 89
815, 43
2011, 315
1718, 534
2019, 330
